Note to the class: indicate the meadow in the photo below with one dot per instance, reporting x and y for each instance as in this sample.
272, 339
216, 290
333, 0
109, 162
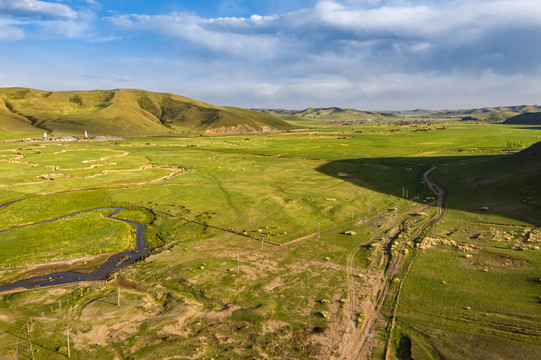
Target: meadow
238, 269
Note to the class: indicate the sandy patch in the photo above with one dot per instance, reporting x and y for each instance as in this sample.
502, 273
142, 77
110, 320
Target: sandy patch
274, 284
97, 336
220, 315
273, 325
178, 327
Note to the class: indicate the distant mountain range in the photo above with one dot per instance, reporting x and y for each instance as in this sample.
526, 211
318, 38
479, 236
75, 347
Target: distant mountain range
491, 114
498, 113
122, 112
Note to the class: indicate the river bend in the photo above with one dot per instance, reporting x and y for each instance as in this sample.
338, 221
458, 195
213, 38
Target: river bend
113, 263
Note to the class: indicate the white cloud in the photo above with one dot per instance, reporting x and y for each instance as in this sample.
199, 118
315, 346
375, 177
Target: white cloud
392, 91
39, 20
369, 53
9, 30
36, 8
455, 22
372, 54
103, 39
60, 29
207, 33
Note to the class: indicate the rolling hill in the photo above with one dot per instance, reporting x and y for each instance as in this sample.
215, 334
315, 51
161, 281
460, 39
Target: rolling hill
507, 185
530, 118
490, 114
122, 112
498, 113
334, 114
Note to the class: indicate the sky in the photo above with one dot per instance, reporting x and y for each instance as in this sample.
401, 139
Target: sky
291, 54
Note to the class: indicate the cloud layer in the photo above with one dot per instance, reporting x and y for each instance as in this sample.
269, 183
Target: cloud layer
359, 53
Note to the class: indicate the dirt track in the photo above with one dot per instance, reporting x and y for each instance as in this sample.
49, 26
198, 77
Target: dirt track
358, 341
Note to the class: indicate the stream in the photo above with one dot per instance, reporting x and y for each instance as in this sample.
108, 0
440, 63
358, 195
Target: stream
115, 262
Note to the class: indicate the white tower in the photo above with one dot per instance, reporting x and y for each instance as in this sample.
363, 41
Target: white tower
45, 135
86, 135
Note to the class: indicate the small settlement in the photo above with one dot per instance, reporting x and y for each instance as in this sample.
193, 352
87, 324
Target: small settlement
45, 137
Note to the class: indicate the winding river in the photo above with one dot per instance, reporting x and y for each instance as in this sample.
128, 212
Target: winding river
113, 263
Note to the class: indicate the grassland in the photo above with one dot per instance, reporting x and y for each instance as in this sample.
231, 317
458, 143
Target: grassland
84, 234
219, 286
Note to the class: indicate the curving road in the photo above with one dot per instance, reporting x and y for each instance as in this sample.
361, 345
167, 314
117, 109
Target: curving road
358, 341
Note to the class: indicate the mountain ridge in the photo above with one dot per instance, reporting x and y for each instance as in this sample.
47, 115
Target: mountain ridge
333, 113
489, 114
494, 113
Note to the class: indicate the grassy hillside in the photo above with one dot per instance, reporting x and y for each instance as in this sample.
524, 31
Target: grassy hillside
479, 297
334, 114
506, 185
533, 118
11, 122
121, 112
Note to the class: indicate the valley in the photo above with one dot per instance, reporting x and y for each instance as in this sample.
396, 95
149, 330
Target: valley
328, 241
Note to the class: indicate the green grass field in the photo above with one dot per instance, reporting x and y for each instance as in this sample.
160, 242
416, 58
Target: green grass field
219, 285
83, 234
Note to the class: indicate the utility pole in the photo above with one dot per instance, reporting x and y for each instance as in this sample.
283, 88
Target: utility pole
403, 192
68, 337
318, 230
30, 341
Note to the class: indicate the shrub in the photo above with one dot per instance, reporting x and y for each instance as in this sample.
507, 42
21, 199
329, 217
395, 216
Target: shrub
107, 99
9, 106
19, 95
76, 99
146, 104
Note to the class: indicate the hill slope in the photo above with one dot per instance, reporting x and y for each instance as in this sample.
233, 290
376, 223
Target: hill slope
530, 118
334, 114
11, 122
122, 112
507, 185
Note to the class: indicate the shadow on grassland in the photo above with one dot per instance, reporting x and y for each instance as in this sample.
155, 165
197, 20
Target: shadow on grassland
505, 185
529, 127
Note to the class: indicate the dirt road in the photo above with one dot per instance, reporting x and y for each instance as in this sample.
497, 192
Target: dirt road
359, 340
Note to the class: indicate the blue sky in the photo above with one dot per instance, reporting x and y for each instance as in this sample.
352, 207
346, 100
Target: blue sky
366, 54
